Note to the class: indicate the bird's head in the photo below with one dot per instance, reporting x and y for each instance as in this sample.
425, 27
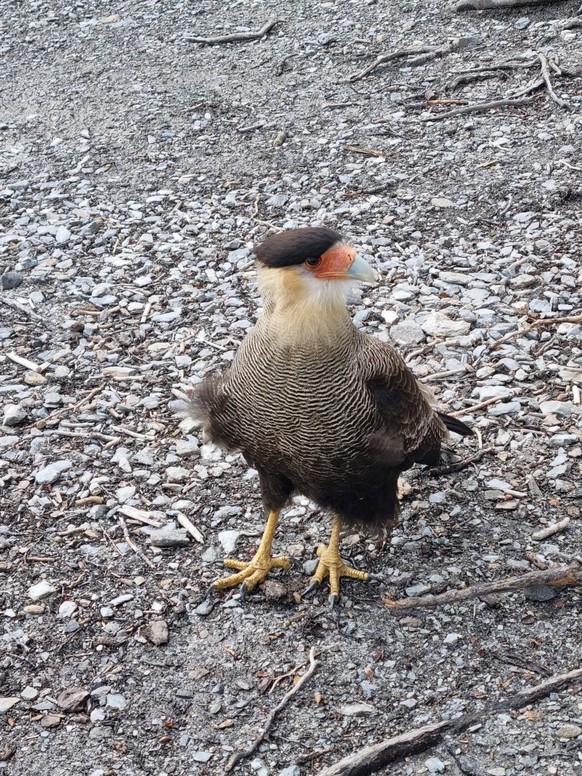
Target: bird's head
312, 267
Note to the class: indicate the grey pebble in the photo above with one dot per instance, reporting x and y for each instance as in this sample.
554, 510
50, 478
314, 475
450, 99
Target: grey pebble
52, 472
11, 280
169, 537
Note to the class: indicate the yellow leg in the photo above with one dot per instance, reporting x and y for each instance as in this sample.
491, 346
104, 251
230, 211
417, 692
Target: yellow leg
253, 572
330, 564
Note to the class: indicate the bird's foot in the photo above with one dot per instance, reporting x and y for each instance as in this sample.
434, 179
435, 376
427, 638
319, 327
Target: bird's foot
331, 565
251, 573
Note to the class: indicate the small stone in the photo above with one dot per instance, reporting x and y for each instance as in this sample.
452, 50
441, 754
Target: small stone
29, 694
541, 593
496, 771
442, 202
434, 765
201, 757
67, 609
156, 631
186, 447
562, 408
569, 731
7, 703
34, 378
11, 280
50, 721
13, 415
169, 537
73, 698
290, 770
121, 599
177, 473
62, 235
116, 701
34, 609
356, 709
41, 590
52, 472
410, 703
228, 539
415, 590
439, 325
452, 638
273, 590
407, 332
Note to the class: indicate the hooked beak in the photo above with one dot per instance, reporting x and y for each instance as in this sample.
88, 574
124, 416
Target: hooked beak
361, 270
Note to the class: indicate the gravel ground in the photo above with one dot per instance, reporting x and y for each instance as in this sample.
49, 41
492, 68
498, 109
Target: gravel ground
136, 169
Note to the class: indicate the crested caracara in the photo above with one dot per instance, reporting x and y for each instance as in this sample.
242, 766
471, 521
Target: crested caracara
316, 406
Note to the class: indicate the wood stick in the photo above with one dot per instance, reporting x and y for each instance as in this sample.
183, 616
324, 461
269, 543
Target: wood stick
481, 106
561, 576
485, 5
380, 60
546, 76
372, 758
480, 406
235, 37
25, 362
555, 528
132, 544
538, 322
20, 308
238, 756
458, 466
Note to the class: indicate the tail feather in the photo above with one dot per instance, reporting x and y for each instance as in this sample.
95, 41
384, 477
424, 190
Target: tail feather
455, 425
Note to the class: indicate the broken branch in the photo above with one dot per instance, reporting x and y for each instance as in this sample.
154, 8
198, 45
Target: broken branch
238, 756
372, 758
506, 103
562, 576
486, 5
235, 37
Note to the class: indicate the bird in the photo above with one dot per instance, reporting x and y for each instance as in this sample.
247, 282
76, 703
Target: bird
317, 406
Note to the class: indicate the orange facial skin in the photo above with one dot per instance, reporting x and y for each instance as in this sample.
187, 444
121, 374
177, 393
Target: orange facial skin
334, 264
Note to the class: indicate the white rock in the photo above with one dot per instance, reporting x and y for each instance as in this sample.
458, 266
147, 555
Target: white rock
407, 332
356, 709
434, 765
62, 235
41, 590
439, 325
52, 472
13, 415
228, 539
485, 392
67, 609
177, 473
116, 701
563, 408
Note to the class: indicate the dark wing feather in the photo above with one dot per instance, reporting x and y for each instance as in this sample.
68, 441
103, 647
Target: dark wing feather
455, 425
407, 416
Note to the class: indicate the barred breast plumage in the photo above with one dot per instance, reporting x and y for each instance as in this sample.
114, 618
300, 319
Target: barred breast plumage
315, 405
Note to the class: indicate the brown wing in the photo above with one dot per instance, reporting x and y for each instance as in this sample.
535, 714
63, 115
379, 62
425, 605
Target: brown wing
409, 420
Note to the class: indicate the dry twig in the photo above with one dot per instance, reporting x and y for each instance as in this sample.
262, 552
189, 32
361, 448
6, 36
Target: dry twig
548, 81
372, 758
426, 54
505, 103
537, 322
133, 545
238, 756
486, 5
550, 530
458, 466
235, 37
562, 576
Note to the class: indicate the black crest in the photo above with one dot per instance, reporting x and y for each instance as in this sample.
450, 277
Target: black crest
295, 246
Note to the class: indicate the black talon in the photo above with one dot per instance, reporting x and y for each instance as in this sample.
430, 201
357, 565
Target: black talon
375, 578
242, 592
333, 600
311, 588
208, 603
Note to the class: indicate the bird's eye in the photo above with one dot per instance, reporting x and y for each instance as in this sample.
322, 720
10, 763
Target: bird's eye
313, 261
